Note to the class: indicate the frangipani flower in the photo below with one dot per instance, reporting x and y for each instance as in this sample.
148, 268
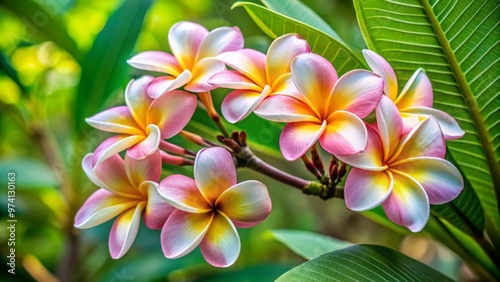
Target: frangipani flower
403, 172
415, 100
192, 62
256, 76
144, 122
129, 189
326, 109
210, 207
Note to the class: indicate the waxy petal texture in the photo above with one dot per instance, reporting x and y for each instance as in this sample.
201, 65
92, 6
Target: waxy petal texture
440, 179
371, 158
365, 190
156, 61
345, 134
408, 204
221, 245
147, 146
246, 203
185, 39
240, 103
425, 140
113, 175
281, 53
117, 120
140, 170
100, 207
381, 67
163, 84
138, 100
233, 80
417, 92
298, 137
124, 231
220, 40
114, 145
157, 210
283, 108
183, 232
202, 71
181, 192
449, 126
249, 62
390, 126
214, 172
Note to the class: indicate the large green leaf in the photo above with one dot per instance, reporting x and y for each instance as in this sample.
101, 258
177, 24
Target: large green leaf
275, 24
465, 212
105, 68
308, 244
456, 42
363, 263
302, 13
39, 21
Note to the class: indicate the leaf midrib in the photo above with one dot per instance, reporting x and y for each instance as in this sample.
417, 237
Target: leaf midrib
469, 98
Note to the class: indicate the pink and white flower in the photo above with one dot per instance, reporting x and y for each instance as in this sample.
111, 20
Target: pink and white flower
143, 122
327, 109
210, 207
415, 100
257, 76
192, 62
403, 172
128, 190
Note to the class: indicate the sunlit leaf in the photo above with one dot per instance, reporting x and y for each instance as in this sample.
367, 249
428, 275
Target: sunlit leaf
308, 244
363, 263
456, 42
275, 24
104, 68
39, 21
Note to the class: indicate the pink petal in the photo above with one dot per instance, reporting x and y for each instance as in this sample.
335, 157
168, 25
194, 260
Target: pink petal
147, 146
183, 232
181, 192
449, 126
138, 100
117, 120
314, 77
345, 134
233, 80
111, 172
164, 84
185, 39
284, 85
172, 111
88, 169
221, 245
157, 210
156, 61
114, 145
408, 204
381, 67
124, 231
281, 53
369, 159
100, 207
417, 92
202, 71
220, 40
440, 179
365, 190
282, 108
409, 121
246, 204
214, 172
390, 126
140, 170
298, 137
240, 103
424, 140
358, 92
248, 62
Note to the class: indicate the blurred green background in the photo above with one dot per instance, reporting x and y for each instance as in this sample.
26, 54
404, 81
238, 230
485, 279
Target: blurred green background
63, 60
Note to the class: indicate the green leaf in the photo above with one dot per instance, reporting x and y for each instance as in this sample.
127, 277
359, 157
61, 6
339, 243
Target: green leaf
38, 20
456, 42
275, 24
302, 13
465, 212
308, 244
363, 263
267, 272
29, 173
104, 68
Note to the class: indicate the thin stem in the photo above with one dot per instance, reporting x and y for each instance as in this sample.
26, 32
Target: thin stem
206, 100
259, 165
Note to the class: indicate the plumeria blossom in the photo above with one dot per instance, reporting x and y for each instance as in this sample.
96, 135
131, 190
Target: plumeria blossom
128, 190
257, 76
403, 172
327, 109
192, 62
210, 207
415, 100
143, 122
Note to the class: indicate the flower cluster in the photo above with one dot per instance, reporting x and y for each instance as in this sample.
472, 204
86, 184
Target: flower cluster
397, 162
